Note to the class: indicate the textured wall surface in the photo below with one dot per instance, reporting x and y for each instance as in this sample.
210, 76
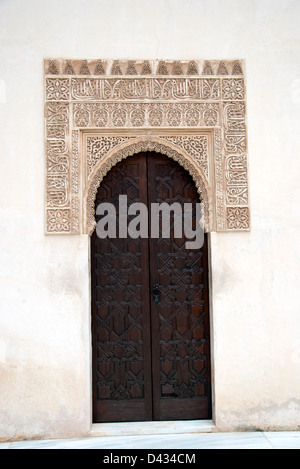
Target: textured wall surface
136, 105
44, 280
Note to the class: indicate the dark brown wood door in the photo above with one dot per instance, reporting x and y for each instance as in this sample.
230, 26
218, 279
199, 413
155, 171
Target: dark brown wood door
150, 309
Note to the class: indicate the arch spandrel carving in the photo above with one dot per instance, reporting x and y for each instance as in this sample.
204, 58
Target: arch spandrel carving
100, 111
138, 145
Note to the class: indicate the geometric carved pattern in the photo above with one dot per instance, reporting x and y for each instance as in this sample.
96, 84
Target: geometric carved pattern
144, 348
195, 109
183, 308
118, 300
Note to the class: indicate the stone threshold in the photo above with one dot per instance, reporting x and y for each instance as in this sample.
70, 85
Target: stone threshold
152, 428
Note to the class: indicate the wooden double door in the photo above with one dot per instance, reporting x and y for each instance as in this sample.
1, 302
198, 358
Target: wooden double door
150, 308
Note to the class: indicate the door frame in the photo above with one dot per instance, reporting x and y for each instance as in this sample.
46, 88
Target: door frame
133, 105
154, 427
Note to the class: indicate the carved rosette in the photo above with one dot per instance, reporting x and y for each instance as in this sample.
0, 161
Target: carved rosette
99, 111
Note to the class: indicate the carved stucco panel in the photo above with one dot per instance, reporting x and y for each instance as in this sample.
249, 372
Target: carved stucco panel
138, 145
100, 111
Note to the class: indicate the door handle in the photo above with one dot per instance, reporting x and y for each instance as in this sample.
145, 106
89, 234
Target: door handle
156, 293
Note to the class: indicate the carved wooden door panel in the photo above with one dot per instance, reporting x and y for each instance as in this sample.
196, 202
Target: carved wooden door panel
150, 318
180, 321
120, 307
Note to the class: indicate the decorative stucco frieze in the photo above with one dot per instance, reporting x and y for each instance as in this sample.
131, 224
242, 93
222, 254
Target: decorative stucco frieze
134, 115
100, 111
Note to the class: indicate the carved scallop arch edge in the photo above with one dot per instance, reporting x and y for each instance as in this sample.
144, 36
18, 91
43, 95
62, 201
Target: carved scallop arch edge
141, 146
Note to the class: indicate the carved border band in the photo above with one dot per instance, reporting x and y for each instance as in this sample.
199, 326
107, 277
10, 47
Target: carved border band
100, 111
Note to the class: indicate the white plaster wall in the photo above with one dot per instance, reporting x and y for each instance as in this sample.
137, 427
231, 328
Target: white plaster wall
44, 297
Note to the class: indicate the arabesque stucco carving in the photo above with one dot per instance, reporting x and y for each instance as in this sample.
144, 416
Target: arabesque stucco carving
100, 111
